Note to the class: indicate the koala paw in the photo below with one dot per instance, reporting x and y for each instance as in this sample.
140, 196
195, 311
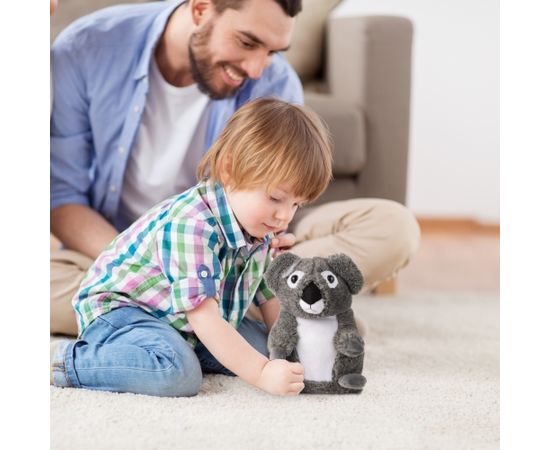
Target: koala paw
350, 344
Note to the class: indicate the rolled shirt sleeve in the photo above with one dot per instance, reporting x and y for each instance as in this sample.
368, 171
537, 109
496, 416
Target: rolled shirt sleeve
71, 146
189, 252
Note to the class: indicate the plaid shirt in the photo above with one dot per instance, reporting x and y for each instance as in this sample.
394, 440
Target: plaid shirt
182, 251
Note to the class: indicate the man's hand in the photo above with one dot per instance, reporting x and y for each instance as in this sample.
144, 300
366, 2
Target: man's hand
281, 377
282, 242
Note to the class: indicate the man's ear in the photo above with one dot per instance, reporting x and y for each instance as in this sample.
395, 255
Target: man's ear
274, 274
201, 10
344, 267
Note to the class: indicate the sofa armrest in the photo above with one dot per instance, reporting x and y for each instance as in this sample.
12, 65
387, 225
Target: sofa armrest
369, 64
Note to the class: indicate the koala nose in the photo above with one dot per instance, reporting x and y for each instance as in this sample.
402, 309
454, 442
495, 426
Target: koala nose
311, 294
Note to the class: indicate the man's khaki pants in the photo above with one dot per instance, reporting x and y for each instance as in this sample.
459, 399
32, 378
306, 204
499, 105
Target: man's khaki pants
379, 235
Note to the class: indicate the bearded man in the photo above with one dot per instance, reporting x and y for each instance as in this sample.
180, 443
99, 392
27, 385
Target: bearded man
140, 93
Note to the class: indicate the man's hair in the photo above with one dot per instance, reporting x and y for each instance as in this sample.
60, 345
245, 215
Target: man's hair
271, 142
290, 7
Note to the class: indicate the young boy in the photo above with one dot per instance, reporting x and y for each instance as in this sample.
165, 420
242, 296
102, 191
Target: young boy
166, 300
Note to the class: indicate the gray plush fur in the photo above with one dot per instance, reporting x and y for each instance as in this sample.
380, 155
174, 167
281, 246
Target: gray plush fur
324, 287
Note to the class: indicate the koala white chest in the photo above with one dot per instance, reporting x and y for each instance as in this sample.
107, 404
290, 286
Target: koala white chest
316, 347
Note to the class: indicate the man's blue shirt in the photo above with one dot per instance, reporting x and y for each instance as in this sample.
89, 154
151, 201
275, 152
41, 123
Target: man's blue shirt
100, 70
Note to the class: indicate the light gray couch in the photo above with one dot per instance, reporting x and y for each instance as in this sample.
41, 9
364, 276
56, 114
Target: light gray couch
361, 89
364, 94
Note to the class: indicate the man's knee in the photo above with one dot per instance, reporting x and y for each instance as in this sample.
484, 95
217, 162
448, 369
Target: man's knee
381, 236
67, 268
401, 230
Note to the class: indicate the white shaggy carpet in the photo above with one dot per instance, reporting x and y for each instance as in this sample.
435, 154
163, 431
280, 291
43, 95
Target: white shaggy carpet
432, 365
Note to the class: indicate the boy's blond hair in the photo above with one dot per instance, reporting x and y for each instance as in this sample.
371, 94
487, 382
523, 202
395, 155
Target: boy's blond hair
271, 142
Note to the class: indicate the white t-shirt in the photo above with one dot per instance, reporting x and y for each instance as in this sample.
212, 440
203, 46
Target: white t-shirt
168, 147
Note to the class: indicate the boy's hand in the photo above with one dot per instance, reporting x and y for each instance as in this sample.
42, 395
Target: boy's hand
282, 242
281, 377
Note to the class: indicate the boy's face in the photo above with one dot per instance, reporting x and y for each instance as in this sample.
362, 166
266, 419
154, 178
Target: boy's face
260, 212
228, 48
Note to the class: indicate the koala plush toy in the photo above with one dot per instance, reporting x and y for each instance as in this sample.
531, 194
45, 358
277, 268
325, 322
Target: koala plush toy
316, 325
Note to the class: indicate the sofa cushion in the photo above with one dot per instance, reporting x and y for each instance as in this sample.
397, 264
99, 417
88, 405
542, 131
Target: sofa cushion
306, 49
347, 127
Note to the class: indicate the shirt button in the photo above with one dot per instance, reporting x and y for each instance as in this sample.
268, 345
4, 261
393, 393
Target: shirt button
113, 188
121, 150
204, 274
136, 108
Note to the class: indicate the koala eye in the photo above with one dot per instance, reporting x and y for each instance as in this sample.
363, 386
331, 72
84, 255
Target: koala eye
330, 278
294, 278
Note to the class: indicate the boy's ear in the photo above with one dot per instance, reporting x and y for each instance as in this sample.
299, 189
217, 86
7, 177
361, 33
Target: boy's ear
274, 274
226, 170
344, 267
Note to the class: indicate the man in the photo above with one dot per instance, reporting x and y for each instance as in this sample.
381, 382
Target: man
140, 93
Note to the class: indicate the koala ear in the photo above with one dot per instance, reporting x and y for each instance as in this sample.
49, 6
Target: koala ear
344, 266
277, 267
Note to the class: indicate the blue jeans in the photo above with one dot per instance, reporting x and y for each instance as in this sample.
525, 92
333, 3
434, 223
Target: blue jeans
129, 350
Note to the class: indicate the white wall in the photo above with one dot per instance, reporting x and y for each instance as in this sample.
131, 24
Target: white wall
454, 146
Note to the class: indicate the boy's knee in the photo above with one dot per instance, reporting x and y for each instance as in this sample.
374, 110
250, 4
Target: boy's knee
183, 379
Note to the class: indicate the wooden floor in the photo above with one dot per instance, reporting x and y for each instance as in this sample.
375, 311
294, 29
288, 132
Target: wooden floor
458, 256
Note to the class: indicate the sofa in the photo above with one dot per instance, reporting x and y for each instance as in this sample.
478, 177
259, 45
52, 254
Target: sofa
362, 90
356, 73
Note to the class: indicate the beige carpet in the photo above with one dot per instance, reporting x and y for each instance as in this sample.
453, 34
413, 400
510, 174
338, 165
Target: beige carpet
432, 365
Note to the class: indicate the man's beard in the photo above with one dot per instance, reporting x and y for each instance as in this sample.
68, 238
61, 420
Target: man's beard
203, 70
